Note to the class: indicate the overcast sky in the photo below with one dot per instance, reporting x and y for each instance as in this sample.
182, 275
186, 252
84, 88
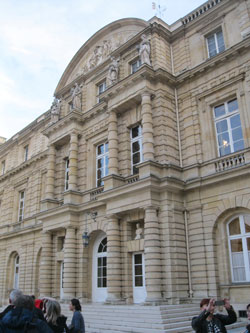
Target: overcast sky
38, 38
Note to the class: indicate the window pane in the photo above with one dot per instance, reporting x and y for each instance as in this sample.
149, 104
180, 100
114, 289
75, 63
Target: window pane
221, 126
100, 149
220, 41
225, 150
235, 121
237, 134
238, 145
211, 46
234, 227
138, 281
99, 261
136, 158
223, 139
135, 132
219, 111
135, 170
100, 182
236, 245
100, 163
106, 147
105, 259
99, 174
232, 105
247, 223
104, 283
135, 146
99, 282
138, 270
138, 259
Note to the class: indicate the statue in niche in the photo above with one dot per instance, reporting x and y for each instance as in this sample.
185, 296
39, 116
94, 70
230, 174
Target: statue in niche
138, 231
145, 50
55, 110
76, 97
113, 71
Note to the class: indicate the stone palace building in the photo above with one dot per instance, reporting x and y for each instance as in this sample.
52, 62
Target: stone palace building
135, 186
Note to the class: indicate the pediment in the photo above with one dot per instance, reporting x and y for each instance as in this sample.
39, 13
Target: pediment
98, 48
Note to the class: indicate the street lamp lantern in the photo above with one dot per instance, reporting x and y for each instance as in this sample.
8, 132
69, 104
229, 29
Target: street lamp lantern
85, 239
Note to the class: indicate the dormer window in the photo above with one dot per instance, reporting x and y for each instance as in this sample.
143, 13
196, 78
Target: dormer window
215, 43
135, 65
100, 89
26, 153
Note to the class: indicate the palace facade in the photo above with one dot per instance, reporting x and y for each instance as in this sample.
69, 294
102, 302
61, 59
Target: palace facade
135, 186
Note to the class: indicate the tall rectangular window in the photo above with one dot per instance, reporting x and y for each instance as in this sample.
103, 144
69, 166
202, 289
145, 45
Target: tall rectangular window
228, 127
135, 66
2, 167
100, 89
136, 148
215, 43
26, 153
66, 183
102, 163
21, 206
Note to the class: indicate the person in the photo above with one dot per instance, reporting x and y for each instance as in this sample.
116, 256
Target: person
38, 309
14, 294
248, 317
21, 318
55, 320
208, 322
77, 324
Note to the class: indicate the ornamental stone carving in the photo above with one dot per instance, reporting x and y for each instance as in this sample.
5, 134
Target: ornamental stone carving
76, 95
113, 71
145, 50
55, 110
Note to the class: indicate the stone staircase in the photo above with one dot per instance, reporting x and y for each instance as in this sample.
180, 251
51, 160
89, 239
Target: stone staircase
100, 318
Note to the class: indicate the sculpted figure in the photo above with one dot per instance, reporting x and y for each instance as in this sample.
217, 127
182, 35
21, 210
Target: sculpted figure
145, 50
76, 97
96, 57
112, 76
55, 110
138, 232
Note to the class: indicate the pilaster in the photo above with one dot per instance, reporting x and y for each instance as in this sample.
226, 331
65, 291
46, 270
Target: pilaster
147, 126
46, 265
113, 143
69, 276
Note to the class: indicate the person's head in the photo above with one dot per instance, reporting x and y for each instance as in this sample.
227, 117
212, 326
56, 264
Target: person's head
204, 304
53, 311
25, 301
14, 295
248, 311
39, 304
75, 305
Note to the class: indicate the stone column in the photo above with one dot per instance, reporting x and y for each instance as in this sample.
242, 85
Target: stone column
73, 159
46, 265
69, 276
50, 181
113, 143
113, 260
147, 127
153, 265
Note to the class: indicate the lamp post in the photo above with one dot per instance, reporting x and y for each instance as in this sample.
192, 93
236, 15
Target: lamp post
85, 235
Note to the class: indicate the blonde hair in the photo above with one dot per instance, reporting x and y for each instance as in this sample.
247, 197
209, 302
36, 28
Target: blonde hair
53, 311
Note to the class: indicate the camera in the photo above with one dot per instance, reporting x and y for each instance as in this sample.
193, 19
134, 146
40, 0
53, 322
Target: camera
219, 303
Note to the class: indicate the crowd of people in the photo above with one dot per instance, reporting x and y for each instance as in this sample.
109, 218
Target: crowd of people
29, 315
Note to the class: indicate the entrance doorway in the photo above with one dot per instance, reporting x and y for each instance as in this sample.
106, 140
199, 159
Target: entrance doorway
99, 276
139, 287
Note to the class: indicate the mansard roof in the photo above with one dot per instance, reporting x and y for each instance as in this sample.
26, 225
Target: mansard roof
99, 46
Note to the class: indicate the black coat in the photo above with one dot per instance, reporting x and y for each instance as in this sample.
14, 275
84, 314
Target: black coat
200, 324
60, 325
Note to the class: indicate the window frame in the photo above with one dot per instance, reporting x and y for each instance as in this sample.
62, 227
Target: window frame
21, 206
66, 174
138, 64
16, 275
227, 116
26, 152
214, 34
243, 236
3, 165
100, 156
100, 91
132, 140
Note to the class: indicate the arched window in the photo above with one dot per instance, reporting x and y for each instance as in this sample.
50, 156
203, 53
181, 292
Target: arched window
239, 247
16, 273
102, 264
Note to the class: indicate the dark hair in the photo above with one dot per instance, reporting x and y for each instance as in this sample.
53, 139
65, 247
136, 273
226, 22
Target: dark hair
204, 301
248, 306
26, 302
75, 302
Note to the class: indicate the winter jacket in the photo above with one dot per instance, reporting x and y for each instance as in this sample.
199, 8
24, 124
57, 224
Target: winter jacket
22, 320
60, 325
77, 323
200, 324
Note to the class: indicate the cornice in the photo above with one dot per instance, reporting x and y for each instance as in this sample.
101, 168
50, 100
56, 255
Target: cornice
24, 165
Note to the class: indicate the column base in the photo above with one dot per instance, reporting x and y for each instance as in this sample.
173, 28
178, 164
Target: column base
112, 299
